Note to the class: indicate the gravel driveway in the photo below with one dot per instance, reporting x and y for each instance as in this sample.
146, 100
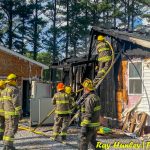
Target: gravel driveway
25, 140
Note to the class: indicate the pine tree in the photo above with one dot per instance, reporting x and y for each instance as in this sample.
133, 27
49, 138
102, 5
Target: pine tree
35, 26
9, 10
24, 13
3, 27
132, 9
146, 4
65, 29
50, 35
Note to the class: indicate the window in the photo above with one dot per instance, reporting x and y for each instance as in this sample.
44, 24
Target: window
135, 78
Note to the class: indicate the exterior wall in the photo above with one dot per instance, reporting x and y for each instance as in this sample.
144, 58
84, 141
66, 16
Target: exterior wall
131, 99
11, 64
22, 68
145, 101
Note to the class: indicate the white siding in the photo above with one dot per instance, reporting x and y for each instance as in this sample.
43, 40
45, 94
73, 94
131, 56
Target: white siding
145, 102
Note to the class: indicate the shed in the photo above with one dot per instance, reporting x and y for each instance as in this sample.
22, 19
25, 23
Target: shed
25, 68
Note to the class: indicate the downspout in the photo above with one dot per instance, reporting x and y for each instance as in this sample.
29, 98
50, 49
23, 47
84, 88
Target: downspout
42, 71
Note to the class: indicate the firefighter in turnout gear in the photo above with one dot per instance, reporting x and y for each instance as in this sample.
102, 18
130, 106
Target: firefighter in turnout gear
105, 56
12, 111
68, 90
62, 113
2, 120
90, 112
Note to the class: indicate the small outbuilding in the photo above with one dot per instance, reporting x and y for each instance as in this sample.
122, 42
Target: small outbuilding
25, 68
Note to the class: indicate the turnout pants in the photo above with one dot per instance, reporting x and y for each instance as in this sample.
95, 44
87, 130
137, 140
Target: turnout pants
103, 66
60, 125
2, 121
11, 127
89, 137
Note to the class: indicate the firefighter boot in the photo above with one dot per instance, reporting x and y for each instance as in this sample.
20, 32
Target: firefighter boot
53, 138
1, 138
83, 147
4, 148
9, 147
63, 138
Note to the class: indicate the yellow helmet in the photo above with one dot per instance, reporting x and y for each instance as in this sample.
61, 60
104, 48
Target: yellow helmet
2, 83
88, 84
100, 38
11, 76
68, 89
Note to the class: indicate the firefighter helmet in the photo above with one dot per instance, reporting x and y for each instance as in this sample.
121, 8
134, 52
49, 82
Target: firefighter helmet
60, 86
68, 89
88, 84
100, 38
2, 83
11, 76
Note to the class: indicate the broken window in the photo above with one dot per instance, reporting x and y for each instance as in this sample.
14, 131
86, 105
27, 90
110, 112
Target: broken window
135, 78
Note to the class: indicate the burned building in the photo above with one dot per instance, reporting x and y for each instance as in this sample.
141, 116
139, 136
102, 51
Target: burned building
127, 85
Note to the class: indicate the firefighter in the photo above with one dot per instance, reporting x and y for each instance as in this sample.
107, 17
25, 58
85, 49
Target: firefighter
62, 113
105, 56
73, 106
12, 111
90, 113
68, 90
2, 87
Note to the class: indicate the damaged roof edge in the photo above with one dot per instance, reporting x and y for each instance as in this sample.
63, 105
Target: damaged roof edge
23, 57
142, 41
138, 53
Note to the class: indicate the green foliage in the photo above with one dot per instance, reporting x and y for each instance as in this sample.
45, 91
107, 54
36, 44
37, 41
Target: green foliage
44, 57
145, 2
147, 16
29, 55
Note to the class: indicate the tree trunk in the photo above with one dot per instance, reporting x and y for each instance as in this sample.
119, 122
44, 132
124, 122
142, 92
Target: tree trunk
67, 32
23, 33
10, 34
75, 49
54, 44
86, 16
132, 19
128, 8
94, 16
115, 13
104, 19
35, 32
74, 38
107, 17
54, 34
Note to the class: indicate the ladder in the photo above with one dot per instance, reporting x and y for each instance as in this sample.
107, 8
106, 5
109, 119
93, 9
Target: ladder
82, 98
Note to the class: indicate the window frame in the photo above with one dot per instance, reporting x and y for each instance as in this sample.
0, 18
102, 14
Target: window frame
137, 94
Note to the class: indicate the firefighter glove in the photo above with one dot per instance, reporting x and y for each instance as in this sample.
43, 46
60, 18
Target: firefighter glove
96, 68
